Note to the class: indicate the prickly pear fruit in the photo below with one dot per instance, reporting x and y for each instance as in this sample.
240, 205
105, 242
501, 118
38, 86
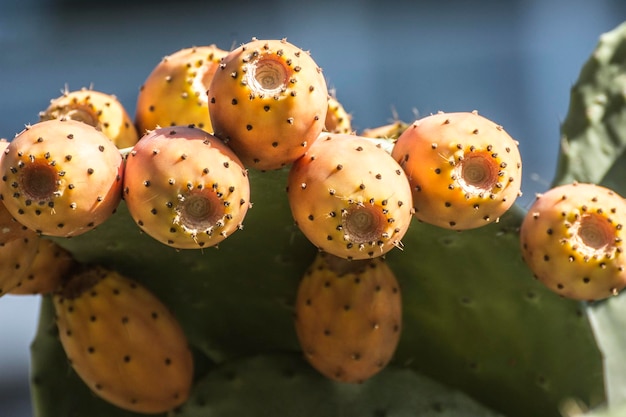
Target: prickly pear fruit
9, 227
388, 131
175, 92
464, 169
348, 316
15, 257
349, 197
45, 273
98, 109
185, 187
123, 341
338, 120
268, 101
61, 177
571, 239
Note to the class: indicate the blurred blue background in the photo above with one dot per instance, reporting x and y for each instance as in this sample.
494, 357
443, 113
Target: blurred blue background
512, 60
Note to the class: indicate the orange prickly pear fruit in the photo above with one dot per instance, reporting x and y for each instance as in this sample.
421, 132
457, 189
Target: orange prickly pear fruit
98, 109
45, 273
268, 101
464, 169
16, 255
185, 187
348, 317
350, 197
61, 177
338, 120
175, 92
572, 240
123, 341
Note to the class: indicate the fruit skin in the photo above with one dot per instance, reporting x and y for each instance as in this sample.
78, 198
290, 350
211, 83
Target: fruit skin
349, 197
61, 177
123, 341
268, 102
186, 188
16, 255
465, 170
348, 316
175, 92
572, 240
47, 269
338, 120
98, 109
9, 227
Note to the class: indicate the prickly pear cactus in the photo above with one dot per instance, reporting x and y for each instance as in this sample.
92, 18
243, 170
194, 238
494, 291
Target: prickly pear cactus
474, 319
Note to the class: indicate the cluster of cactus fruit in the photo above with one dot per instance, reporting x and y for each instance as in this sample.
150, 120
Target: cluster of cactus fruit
210, 127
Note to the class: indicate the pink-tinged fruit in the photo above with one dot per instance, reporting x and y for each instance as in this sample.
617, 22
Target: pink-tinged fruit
61, 177
348, 317
268, 101
185, 187
123, 342
350, 197
175, 92
98, 109
572, 241
465, 170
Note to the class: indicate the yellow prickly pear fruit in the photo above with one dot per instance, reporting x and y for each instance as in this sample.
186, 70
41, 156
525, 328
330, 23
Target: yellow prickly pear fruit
338, 120
175, 92
123, 341
98, 109
44, 275
348, 316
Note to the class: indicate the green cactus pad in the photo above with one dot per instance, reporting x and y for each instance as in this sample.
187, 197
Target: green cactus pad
594, 150
593, 135
283, 384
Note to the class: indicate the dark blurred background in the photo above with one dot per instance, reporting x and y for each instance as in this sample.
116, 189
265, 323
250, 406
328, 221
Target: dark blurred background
512, 60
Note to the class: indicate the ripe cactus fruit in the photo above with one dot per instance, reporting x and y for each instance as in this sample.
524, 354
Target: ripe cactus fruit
185, 187
98, 109
61, 177
338, 120
464, 169
123, 341
571, 239
45, 273
268, 101
175, 92
348, 316
15, 257
350, 197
